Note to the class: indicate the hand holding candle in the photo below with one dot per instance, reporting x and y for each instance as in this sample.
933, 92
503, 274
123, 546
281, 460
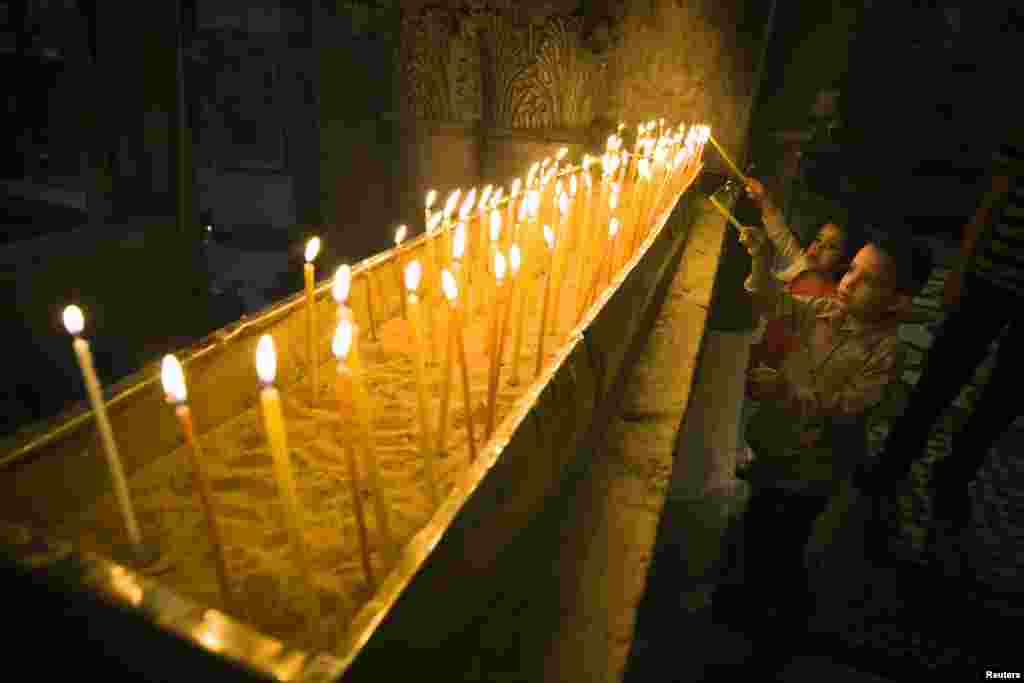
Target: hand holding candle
273, 422
173, 380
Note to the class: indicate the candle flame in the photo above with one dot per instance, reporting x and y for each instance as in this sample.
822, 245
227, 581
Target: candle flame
613, 227
266, 359
413, 273
496, 197
400, 234
459, 241
680, 156
532, 172
534, 202
342, 342
431, 198
495, 225
573, 185
514, 258
589, 180
549, 237
514, 192
644, 168
484, 196
312, 249
434, 221
499, 266
453, 199
587, 161
563, 204
558, 187
467, 204
74, 319
620, 126
173, 379
561, 153
342, 283
611, 142
451, 289
544, 164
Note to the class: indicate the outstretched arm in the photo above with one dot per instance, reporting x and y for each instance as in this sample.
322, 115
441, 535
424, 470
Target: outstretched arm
775, 226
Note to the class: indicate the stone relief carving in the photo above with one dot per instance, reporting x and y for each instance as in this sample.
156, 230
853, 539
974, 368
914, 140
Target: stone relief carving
482, 62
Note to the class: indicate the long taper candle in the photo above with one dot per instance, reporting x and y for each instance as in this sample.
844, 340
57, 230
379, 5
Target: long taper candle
725, 157
341, 346
173, 380
413, 274
549, 239
451, 293
74, 321
562, 261
312, 249
400, 234
496, 311
273, 422
515, 259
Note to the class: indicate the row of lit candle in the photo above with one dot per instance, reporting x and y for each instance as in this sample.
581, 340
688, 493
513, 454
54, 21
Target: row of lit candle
495, 271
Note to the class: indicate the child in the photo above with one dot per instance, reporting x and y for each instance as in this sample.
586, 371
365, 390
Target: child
810, 432
812, 272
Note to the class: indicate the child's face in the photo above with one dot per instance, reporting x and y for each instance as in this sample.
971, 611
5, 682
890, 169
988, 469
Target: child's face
866, 291
825, 252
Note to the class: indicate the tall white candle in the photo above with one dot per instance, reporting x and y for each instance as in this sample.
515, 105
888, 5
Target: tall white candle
74, 321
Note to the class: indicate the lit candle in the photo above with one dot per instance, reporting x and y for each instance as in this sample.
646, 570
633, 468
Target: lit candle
613, 235
458, 254
312, 249
340, 290
413, 273
495, 234
74, 321
492, 381
400, 234
585, 237
431, 198
451, 293
515, 259
345, 347
367, 275
273, 422
725, 157
173, 379
512, 194
549, 239
348, 384
563, 261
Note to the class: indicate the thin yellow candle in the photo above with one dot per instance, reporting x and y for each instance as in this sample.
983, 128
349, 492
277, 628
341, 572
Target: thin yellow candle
512, 194
345, 347
451, 293
446, 376
173, 380
613, 240
725, 212
312, 249
413, 274
495, 235
273, 422
563, 263
515, 259
458, 254
74, 321
585, 236
549, 239
492, 380
431, 198
521, 285
725, 157
400, 234
340, 290
340, 346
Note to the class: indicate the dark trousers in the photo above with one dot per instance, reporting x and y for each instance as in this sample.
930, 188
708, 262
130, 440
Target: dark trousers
959, 347
777, 525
